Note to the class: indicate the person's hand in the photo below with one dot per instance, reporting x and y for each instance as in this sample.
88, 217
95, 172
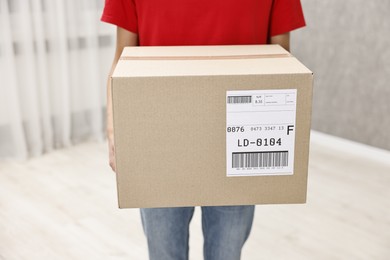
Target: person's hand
111, 149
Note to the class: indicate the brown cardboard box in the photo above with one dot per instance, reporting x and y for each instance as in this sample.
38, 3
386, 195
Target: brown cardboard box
211, 125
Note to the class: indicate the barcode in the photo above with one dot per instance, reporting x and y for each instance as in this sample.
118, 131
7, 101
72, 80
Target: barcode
239, 99
260, 159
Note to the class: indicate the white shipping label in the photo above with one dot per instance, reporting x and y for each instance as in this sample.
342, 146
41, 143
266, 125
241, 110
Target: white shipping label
260, 132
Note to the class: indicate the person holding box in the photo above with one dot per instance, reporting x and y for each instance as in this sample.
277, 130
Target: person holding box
197, 22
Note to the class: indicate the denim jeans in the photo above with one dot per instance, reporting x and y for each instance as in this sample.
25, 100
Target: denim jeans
225, 230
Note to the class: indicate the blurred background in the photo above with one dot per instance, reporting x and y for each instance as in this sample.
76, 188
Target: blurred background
55, 57
346, 44
54, 60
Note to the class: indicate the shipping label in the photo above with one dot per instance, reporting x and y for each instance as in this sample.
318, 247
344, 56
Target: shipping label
260, 132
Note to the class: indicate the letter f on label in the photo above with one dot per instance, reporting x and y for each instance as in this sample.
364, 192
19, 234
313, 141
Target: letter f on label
290, 128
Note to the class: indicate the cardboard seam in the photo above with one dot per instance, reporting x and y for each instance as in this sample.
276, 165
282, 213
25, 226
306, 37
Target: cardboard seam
222, 57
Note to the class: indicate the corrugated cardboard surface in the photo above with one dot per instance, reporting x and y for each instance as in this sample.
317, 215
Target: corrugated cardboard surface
170, 128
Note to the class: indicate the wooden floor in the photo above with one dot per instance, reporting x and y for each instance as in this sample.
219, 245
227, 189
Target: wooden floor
63, 206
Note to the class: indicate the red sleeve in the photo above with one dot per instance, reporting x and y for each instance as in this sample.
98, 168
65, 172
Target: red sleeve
286, 15
121, 13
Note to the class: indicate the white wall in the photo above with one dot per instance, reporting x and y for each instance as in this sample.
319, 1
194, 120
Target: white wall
347, 46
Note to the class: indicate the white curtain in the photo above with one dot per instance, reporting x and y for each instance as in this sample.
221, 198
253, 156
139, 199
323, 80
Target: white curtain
54, 60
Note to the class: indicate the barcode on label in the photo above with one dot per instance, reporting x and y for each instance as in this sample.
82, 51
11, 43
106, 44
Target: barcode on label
260, 159
239, 99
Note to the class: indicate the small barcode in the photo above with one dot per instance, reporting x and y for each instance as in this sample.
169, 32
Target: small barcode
260, 159
239, 99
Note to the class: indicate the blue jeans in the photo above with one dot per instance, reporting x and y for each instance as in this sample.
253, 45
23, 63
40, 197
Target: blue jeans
225, 230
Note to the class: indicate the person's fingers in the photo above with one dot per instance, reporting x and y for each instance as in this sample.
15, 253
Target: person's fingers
112, 156
112, 163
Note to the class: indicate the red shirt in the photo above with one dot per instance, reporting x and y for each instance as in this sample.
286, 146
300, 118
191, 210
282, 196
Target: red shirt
204, 22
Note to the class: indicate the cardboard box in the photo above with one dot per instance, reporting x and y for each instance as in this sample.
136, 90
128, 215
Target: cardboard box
211, 125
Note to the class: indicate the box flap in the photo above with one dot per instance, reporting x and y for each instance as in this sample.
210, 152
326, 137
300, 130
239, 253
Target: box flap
208, 50
206, 60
